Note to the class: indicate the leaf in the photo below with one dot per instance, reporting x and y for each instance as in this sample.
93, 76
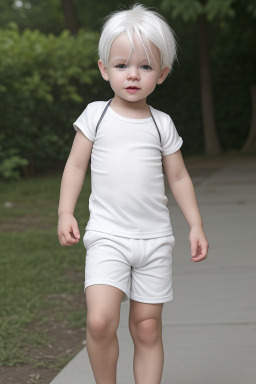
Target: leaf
185, 9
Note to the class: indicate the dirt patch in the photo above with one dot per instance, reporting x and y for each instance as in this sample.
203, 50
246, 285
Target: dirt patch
65, 342
26, 374
21, 224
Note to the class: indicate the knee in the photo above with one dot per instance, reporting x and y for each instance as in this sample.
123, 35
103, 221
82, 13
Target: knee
101, 327
147, 332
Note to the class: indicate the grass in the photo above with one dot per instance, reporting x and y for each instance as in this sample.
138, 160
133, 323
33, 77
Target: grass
32, 262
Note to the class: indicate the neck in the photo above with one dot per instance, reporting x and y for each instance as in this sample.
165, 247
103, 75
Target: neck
136, 110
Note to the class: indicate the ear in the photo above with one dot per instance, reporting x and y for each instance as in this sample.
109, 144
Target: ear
103, 70
163, 75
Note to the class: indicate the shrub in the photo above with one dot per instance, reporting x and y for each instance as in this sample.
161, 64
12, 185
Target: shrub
45, 81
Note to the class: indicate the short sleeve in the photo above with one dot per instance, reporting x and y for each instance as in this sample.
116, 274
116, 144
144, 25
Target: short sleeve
85, 123
171, 141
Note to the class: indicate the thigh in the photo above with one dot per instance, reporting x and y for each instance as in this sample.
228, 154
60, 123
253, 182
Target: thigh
103, 302
144, 311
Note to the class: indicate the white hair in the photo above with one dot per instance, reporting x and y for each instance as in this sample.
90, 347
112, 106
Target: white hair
138, 21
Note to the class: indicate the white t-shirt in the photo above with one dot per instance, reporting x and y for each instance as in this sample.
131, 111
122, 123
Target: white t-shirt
128, 193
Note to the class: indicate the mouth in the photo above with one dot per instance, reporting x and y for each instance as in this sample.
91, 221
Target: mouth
132, 89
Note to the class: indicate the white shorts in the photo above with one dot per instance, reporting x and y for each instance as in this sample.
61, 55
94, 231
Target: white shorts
141, 268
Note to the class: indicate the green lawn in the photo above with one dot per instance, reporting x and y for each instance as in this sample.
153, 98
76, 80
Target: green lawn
32, 262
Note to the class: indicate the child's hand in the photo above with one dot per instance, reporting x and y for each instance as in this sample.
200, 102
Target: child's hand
199, 244
68, 232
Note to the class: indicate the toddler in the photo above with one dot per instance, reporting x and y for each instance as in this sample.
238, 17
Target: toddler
129, 238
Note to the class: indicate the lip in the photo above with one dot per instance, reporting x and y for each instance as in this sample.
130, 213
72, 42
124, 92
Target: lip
132, 89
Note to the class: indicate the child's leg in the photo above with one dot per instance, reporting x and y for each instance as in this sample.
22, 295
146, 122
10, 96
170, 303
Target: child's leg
145, 323
103, 314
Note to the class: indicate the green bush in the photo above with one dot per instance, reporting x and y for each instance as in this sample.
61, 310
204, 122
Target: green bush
46, 81
9, 162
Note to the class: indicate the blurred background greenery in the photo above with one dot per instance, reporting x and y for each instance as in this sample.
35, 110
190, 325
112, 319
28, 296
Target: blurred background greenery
48, 74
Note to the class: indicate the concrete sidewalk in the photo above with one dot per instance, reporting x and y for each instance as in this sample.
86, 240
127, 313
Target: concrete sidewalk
210, 328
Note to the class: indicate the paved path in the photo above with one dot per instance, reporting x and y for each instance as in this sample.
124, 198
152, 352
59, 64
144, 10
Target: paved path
210, 327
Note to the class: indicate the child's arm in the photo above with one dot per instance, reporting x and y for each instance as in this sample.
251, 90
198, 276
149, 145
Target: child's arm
183, 191
71, 185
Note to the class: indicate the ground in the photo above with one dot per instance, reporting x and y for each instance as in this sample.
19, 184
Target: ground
65, 343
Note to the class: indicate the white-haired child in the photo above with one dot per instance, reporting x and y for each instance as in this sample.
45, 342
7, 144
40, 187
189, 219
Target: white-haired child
129, 237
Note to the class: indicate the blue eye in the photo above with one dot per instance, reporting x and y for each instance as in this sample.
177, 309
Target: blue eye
146, 67
121, 66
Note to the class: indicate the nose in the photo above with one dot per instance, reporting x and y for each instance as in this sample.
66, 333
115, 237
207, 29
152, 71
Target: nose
133, 74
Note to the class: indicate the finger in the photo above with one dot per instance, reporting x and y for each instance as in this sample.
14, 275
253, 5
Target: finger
199, 257
196, 260
67, 239
62, 240
204, 250
193, 249
70, 239
75, 231
73, 239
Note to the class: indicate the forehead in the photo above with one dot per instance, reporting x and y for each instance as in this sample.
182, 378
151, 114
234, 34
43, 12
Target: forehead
122, 47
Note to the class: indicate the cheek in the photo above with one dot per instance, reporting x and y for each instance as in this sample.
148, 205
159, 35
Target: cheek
116, 78
150, 81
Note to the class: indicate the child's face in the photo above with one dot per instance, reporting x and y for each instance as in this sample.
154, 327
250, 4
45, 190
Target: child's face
132, 75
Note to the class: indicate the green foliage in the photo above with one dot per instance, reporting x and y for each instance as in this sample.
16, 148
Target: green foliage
251, 7
186, 9
233, 64
219, 8
8, 167
28, 14
45, 81
190, 9
48, 15
10, 162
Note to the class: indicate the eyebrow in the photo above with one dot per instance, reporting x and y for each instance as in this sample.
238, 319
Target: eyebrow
119, 58
125, 59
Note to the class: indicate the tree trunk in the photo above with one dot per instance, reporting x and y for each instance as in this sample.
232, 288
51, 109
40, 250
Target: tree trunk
250, 144
212, 144
70, 16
